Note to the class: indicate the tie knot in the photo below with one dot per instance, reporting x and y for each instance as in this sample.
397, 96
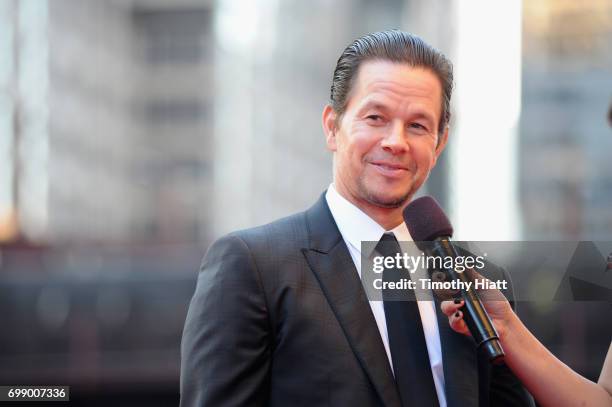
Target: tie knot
388, 237
388, 245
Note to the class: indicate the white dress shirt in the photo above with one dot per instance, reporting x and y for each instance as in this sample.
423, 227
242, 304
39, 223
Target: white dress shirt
355, 226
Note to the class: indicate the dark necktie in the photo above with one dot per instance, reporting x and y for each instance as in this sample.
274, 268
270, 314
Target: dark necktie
411, 365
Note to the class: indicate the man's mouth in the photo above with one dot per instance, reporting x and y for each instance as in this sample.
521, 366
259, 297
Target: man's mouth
391, 170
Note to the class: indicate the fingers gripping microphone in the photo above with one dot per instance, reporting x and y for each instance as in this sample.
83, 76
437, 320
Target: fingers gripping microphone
431, 231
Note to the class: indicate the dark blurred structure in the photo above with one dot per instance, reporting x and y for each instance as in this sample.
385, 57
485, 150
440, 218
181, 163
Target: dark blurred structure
105, 320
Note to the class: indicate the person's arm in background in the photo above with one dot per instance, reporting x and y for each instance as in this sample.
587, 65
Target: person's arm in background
225, 351
549, 380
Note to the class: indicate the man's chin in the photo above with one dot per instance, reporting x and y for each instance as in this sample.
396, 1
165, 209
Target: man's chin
388, 201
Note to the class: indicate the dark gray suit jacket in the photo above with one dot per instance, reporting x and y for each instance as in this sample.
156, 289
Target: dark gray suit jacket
280, 318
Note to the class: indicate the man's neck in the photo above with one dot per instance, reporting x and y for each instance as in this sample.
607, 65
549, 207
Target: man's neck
388, 218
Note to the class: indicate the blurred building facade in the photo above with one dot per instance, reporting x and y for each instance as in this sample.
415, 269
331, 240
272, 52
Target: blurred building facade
110, 133
565, 143
108, 121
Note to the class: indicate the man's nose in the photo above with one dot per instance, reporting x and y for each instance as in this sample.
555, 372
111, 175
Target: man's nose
395, 140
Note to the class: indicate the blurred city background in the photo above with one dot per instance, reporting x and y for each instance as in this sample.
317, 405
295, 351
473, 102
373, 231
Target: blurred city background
135, 132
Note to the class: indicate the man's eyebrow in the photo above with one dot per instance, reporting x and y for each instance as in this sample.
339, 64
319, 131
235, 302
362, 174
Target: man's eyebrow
422, 114
374, 104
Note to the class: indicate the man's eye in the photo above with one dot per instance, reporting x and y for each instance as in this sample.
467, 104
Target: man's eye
418, 126
374, 117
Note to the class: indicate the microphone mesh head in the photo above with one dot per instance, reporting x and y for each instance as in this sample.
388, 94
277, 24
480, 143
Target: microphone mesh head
426, 220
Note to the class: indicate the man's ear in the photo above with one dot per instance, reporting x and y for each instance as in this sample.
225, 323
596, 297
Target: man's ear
441, 144
329, 127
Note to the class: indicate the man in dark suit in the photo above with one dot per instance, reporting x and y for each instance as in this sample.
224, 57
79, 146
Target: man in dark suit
280, 316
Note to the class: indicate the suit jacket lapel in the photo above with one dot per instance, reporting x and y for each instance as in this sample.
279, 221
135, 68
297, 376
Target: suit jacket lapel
460, 365
331, 262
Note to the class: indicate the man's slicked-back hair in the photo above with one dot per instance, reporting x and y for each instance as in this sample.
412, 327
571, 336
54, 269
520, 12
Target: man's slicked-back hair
395, 46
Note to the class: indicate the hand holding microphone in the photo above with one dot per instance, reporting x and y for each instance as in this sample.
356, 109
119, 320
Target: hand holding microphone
452, 309
496, 305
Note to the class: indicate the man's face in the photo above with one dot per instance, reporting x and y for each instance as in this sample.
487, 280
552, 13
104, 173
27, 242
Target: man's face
387, 140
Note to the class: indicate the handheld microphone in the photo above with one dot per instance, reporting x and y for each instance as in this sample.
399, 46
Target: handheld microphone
431, 231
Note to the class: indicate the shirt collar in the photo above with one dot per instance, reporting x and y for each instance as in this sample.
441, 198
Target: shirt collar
355, 225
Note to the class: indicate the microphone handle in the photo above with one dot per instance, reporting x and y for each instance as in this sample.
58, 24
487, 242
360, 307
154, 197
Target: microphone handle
478, 321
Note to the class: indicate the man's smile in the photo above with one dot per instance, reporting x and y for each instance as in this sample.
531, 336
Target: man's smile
388, 169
